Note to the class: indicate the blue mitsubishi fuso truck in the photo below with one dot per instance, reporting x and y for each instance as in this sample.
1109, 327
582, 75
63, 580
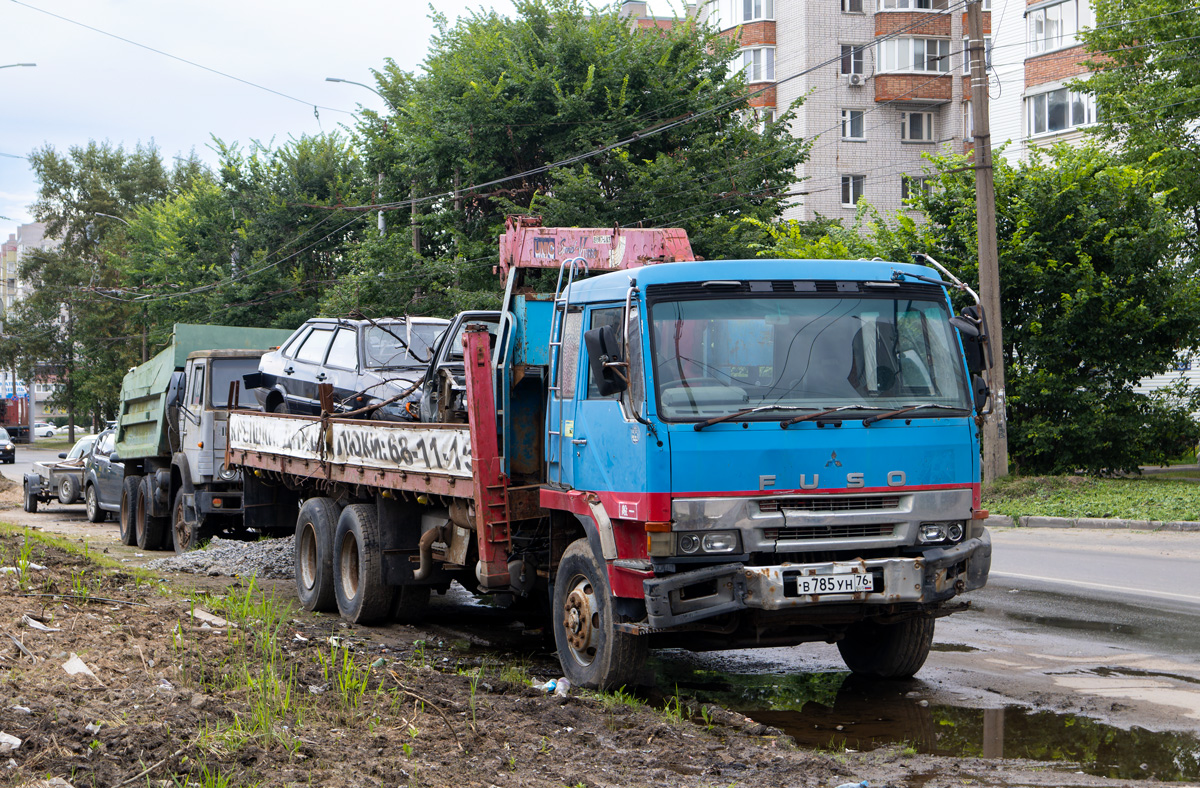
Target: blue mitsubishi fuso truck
664, 451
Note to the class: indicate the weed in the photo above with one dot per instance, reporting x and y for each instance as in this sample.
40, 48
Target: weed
673, 709
613, 698
23, 561
79, 585
407, 749
514, 673
512, 763
344, 675
706, 717
474, 686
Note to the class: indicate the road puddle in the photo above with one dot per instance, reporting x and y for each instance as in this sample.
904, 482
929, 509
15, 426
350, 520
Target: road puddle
838, 711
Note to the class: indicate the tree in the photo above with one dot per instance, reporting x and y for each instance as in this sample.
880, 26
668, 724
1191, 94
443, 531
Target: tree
1146, 80
654, 122
1095, 296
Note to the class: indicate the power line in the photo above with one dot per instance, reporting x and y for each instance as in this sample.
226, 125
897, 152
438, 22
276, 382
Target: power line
178, 58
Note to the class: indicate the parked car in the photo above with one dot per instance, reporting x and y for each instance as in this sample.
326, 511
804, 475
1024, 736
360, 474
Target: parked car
443, 391
8, 449
102, 478
44, 429
62, 480
367, 362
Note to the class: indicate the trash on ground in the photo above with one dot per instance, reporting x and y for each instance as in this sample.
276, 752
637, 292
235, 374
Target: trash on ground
8, 743
75, 666
33, 623
209, 618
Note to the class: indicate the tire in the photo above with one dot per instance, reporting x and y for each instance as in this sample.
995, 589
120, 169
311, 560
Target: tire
362, 597
887, 651
315, 527
127, 515
31, 501
185, 537
410, 604
150, 529
94, 513
280, 407
592, 652
67, 490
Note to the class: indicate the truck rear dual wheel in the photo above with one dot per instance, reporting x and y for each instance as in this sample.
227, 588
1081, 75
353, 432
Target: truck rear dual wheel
362, 596
128, 514
315, 527
887, 651
150, 529
592, 651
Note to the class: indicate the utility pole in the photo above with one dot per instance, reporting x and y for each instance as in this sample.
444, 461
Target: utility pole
995, 426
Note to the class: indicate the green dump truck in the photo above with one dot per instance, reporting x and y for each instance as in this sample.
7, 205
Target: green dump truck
171, 437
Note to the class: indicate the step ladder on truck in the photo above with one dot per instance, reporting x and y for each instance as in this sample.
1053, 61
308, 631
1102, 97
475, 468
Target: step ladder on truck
705, 454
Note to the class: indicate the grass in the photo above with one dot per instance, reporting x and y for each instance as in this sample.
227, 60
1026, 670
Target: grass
1150, 497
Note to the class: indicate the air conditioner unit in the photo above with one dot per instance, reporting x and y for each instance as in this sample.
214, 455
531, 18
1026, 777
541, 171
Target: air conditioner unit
855, 80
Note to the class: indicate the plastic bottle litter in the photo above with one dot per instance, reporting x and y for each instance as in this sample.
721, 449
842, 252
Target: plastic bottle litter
863, 784
562, 687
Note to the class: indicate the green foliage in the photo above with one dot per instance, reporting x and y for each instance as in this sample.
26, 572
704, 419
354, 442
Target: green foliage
1151, 497
501, 97
1146, 79
1095, 296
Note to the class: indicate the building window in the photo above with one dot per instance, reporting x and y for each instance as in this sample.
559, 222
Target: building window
852, 189
852, 59
987, 54
759, 64
916, 126
1059, 110
852, 6
914, 54
852, 125
914, 185
968, 122
754, 10
1056, 26
913, 5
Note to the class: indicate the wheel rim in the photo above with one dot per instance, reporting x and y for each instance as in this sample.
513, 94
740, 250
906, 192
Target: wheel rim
91, 503
348, 558
308, 557
581, 620
183, 532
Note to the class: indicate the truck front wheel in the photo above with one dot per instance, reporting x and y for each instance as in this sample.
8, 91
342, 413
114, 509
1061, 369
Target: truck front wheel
128, 513
887, 651
315, 527
185, 534
362, 597
592, 651
150, 529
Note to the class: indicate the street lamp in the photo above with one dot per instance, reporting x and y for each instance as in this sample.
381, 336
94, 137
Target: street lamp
19, 65
382, 221
110, 216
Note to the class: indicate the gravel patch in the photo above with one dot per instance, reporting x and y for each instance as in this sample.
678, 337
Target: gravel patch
268, 558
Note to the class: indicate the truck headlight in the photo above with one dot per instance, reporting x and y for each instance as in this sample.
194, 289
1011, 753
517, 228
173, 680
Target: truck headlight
226, 474
932, 533
707, 543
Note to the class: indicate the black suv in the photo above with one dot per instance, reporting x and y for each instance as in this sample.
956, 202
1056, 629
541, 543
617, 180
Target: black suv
366, 361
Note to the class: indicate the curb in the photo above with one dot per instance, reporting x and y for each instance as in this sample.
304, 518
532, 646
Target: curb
1030, 521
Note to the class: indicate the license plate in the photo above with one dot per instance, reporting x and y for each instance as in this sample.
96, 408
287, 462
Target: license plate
834, 584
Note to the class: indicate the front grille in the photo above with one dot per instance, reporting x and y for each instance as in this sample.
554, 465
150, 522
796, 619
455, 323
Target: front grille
848, 531
831, 503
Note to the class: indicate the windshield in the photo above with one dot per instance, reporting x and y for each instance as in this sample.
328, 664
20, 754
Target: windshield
400, 344
714, 357
227, 370
81, 447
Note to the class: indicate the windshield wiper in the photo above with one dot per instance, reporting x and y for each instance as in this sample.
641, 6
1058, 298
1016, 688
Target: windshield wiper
825, 412
738, 414
869, 420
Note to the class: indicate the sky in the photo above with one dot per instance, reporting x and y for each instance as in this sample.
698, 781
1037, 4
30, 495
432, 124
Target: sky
91, 86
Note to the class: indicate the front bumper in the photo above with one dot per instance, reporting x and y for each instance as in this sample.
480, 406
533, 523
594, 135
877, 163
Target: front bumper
935, 576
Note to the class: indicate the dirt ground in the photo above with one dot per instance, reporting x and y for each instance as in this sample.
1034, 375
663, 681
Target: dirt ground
275, 696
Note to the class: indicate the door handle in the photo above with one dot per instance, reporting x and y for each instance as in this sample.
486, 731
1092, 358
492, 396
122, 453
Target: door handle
579, 441
288, 370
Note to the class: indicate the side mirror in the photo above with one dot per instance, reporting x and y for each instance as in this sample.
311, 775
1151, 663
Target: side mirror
114, 457
972, 327
62, 455
980, 392
603, 349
